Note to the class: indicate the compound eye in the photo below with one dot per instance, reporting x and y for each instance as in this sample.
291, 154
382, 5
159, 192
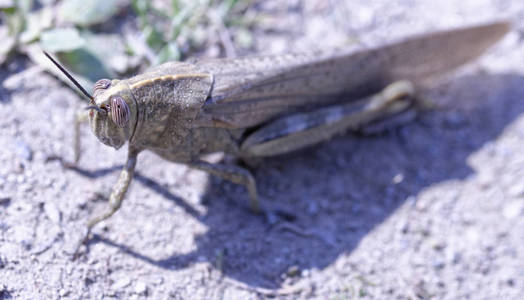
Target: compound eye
119, 111
101, 85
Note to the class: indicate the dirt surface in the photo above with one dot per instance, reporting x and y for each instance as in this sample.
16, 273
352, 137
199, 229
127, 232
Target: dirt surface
432, 210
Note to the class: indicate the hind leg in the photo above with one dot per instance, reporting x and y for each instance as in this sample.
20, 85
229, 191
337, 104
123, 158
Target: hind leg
305, 129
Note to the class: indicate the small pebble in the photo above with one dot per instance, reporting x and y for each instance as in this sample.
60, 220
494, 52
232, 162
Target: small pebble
63, 292
52, 212
121, 283
439, 264
473, 236
271, 218
293, 271
398, 178
312, 207
516, 190
23, 150
513, 209
304, 273
453, 256
4, 292
403, 226
20, 179
23, 235
486, 179
5, 201
26, 187
455, 120
141, 288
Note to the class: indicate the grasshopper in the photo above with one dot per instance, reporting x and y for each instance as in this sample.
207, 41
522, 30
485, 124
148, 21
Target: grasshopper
257, 107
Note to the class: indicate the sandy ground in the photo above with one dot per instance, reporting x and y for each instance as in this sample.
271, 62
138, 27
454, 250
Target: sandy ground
434, 210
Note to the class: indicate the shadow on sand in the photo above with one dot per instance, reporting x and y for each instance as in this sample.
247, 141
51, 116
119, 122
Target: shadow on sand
341, 190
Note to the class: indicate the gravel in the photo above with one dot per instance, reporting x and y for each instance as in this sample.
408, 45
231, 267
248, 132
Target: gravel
432, 210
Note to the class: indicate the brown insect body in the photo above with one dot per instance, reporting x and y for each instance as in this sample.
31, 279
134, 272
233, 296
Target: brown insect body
263, 106
181, 108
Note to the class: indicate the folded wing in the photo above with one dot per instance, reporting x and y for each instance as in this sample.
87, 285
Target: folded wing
252, 90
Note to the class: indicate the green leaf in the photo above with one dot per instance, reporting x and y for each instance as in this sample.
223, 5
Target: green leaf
154, 38
7, 45
36, 22
87, 13
82, 61
140, 7
109, 49
24, 5
35, 53
243, 38
7, 6
167, 53
14, 20
61, 39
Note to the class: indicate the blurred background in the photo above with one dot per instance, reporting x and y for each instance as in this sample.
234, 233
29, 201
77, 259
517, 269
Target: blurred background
433, 210
114, 38
110, 38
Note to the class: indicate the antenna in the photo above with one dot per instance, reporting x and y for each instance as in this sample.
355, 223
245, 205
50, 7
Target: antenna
70, 77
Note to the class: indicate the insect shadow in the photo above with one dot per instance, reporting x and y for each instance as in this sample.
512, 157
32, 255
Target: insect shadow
341, 190
93, 174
